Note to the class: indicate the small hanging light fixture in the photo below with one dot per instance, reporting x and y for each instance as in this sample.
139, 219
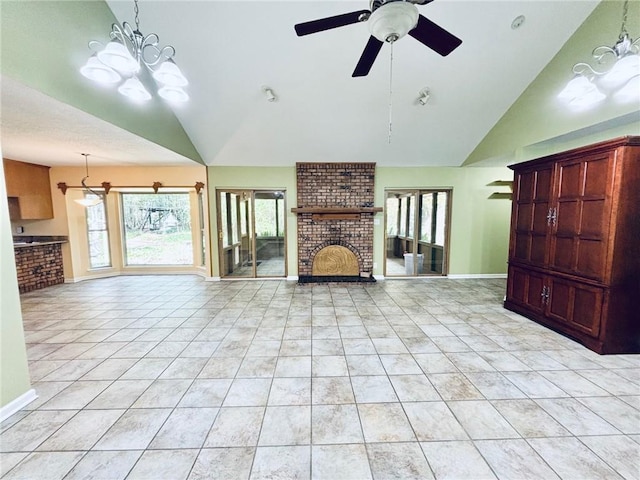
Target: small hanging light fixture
96, 198
622, 78
120, 60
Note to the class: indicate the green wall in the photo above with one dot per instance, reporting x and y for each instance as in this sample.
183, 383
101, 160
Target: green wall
44, 44
254, 178
14, 370
539, 124
479, 224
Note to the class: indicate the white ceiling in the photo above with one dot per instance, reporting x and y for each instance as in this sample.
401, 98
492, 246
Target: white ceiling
39, 129
230, 49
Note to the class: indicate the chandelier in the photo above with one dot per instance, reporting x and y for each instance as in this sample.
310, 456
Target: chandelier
617, 72
120, 61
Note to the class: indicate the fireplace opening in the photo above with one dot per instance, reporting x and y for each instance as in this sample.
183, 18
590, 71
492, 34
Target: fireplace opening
335, 260
336, 263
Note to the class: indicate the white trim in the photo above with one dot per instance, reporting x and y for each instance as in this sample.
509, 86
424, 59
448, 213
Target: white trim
211, 279
17, 404
459, 276
292, 278
92, 277
379, 277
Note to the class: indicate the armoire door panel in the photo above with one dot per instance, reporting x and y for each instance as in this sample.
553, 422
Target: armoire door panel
522, 246
526, 288
560, 300
540, 218
542, 187
590, 258
525, 184
596, 176
592, 220
523, 217
587, 309
563, 253
570, 180
567, 217
538, 249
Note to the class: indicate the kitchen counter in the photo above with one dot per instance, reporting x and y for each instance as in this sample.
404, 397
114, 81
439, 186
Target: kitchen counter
33, 244
20, 241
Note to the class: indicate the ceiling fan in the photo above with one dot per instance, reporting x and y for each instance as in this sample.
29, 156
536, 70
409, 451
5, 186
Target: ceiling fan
389, 20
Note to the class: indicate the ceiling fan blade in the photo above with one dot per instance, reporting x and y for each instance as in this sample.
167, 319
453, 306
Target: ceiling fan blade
328, 23
367, 58
435, 37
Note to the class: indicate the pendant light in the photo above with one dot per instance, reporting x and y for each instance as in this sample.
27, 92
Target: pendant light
88, 201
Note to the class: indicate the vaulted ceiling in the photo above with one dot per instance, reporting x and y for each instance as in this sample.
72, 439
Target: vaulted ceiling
229, 50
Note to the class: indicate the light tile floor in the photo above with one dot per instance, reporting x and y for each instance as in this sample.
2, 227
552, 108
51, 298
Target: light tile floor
172, 377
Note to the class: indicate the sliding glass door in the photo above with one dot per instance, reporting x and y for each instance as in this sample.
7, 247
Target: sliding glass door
417, 232
251, 233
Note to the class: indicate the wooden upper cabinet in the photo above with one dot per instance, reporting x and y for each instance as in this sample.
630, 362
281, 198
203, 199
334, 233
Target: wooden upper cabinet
29, 190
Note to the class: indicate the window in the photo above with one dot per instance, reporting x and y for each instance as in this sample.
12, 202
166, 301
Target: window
393, 205
98, 234
157, 229
404, 205
426, 219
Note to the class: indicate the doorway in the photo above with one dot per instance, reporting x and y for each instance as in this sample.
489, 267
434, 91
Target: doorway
417, 232
251, 233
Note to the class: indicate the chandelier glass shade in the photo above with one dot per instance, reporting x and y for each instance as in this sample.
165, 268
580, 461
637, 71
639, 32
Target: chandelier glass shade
617, 73
121, 60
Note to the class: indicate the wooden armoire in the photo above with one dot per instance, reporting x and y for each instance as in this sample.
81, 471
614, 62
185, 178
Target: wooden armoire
574, 251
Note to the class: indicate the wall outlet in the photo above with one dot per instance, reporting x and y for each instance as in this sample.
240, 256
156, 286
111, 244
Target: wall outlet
19, 229
375, 264
376, 221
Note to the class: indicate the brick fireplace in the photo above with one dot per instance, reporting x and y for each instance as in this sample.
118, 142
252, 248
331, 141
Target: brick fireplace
335, 221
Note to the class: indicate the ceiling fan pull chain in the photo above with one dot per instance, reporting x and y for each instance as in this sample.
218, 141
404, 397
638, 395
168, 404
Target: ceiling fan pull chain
390, 90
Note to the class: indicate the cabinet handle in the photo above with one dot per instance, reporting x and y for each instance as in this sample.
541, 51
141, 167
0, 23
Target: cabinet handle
554, 216
549, 216
545, 295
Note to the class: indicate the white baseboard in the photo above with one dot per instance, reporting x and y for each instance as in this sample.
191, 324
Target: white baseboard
211, 279
292, 278
459, 276
379, 277
17, 404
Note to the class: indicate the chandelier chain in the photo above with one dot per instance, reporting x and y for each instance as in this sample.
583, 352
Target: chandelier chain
625, 9
137, 11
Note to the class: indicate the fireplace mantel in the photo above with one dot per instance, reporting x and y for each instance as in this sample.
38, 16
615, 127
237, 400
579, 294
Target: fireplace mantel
336, 213
336, 210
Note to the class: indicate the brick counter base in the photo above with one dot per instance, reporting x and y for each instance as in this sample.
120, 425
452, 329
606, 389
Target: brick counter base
39, 266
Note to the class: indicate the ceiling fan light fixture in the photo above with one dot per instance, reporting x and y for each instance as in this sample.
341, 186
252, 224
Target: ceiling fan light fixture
392, 21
